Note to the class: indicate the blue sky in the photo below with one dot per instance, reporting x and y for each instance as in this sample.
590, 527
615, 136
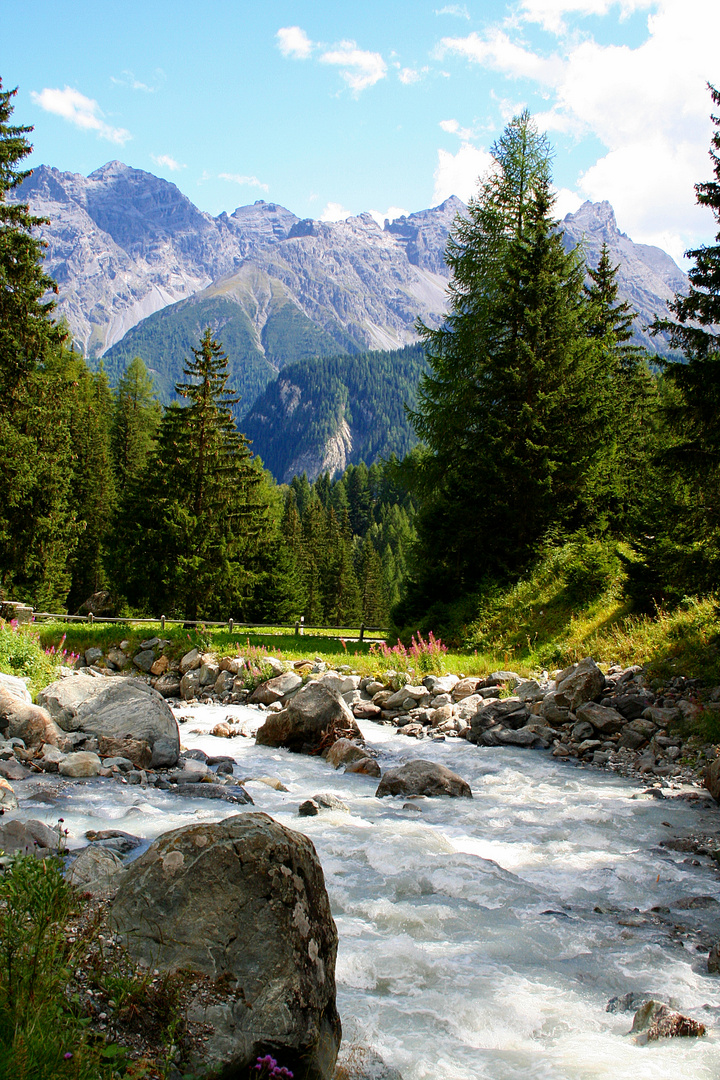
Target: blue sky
387, 106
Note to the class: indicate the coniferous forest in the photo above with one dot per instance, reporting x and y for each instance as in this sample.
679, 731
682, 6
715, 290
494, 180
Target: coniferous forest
539, 425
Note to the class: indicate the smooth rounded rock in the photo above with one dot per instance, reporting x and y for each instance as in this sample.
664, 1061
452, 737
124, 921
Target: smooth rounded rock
423, 778
82, 763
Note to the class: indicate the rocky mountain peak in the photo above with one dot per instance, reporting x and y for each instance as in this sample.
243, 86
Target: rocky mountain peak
596, 219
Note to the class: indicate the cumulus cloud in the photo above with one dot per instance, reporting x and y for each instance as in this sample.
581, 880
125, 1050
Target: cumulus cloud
335, 212
648, 105
167, 162
550, 13
293, 41
496, 50
458, 174
244, 181
359, 67
82, 111
390, 214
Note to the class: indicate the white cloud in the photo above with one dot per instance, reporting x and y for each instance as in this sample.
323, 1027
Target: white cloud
407, 76
458, 10
647, 105
129, 79
79, 110
453, 128
566, 202
167, 162
335, 212
360, 68
390, 214
549, 13
458, 174
244, 181
496, 50
292, 41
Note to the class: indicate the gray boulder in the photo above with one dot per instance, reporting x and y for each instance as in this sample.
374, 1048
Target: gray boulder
314, 719
242, 901
97, 871
144, 660
276, 689
117, 708
423, 778
82, 763
343, 752
20, 719
606, 721
580, 682
168, 685
16, 687
31, 836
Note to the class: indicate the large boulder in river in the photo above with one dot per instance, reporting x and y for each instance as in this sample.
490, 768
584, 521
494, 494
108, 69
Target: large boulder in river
116, 708
242, 901
276, 689
20, 719
423, 778
314, 719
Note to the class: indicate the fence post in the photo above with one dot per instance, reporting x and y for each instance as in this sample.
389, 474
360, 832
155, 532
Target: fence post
90, 617
162, 622
230, 624
297, 628
302, 625
362, 631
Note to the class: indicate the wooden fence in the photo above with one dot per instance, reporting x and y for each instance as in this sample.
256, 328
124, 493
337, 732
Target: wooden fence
352, 633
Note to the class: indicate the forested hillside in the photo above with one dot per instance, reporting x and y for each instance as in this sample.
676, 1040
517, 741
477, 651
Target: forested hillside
324, 413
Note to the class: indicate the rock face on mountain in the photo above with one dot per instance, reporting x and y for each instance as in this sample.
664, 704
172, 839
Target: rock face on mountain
647, 276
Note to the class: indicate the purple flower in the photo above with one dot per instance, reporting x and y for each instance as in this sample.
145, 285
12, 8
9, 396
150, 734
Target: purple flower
67, 1055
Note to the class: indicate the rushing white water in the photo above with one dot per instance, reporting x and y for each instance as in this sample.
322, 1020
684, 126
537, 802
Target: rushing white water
478, 938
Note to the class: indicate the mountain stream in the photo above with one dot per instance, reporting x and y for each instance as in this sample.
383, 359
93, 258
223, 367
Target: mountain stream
479, 939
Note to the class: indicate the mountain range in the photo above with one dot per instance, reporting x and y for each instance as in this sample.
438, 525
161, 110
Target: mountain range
142, 271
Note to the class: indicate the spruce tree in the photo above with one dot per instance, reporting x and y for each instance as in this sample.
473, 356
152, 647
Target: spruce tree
194, 520
514, 408
136, 418
686, 553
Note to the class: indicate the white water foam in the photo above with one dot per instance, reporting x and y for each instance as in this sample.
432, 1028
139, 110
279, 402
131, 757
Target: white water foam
479, 939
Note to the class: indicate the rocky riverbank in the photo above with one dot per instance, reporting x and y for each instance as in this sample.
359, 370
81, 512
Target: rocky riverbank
88, 726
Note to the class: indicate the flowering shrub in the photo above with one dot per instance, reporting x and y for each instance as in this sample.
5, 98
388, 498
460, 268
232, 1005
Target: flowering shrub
423, 656
22, 654
255, 668
267, 1068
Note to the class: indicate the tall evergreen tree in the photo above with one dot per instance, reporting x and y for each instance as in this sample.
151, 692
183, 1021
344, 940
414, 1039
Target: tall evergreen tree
689, 551
136, 419
193, 523
514, 407
37, 530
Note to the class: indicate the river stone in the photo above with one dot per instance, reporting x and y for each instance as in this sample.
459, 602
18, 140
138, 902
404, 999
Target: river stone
144, 660
439, 684
138, 751
190, 684
117, 708
51, 758
33, 837
711, 780
423, 778
580, 682
160, 666
242, 900
655, 1020
362, 1063
523, 736
80, 764
13, 770
314, 719
117, 658
366, 710
276, 689
168, 685
190, 661
20, 719
606, 721
365, 766
97, 871
464, 688
343, 752
16, 687
555, 708
224, 682
713, 964
8, 799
